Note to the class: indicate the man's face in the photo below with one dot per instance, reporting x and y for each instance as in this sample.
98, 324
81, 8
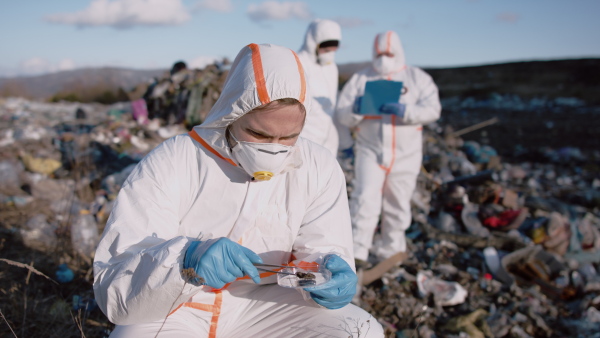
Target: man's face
279, 124
388, 54
327, 50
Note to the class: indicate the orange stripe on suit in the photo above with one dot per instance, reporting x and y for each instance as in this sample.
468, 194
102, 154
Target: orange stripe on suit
197, 137
259, 75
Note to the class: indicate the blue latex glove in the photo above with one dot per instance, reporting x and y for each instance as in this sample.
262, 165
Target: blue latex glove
338, 292
356, 106
393, 108
220, 261
347, 153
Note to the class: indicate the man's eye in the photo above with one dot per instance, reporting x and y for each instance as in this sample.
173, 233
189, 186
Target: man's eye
257, 135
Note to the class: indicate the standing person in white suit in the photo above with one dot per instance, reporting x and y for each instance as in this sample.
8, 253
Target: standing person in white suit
388, 148
177, 255
317, 54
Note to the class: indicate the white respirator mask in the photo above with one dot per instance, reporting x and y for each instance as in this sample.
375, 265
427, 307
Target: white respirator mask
262, 160
326, 58
384, 64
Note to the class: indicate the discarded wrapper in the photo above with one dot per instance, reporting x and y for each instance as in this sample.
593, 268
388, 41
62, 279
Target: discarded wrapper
444, 293
296, 277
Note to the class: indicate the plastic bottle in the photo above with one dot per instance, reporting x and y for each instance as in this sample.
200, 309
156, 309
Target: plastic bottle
38, 234
9, 175
84, 234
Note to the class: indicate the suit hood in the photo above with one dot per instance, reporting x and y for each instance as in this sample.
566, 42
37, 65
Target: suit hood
319, 31
390, 42
261, 73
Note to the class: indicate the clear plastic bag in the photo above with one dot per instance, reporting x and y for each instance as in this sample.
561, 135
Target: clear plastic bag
303, 277
84, 234
444, 293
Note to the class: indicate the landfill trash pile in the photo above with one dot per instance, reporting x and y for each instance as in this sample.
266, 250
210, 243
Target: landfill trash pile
536, 123
497, 249
61, 167
183, 96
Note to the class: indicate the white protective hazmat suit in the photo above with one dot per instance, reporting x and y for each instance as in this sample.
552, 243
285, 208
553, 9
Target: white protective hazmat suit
320, 126
388, 151
189, 188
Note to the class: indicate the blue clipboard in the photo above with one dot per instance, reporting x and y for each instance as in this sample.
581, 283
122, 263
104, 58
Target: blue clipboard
377, 93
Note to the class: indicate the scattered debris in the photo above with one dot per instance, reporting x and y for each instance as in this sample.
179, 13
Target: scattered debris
499, 246
496, 248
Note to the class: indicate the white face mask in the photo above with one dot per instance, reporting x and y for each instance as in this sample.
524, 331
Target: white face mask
384, 64
326, 58
262, 160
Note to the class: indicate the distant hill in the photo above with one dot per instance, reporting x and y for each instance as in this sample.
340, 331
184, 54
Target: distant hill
578, 78
45, 86
347, 69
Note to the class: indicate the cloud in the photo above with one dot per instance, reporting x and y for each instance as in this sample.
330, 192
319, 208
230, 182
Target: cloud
35, 65
122, 14
201, 62
509, 17
66, 64
215, 5
38, 65
352, 22
274, 10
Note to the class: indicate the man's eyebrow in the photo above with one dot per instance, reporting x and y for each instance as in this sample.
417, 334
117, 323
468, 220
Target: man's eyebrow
265, 135
261, 133
291, 136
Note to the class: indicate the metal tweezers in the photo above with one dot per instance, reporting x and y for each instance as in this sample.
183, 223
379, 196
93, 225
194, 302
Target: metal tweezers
273, 266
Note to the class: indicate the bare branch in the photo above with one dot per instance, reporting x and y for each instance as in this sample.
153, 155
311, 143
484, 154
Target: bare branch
26, 266
77, 321
11, 330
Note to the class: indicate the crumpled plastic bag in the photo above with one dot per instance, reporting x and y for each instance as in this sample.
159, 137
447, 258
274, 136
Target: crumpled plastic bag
590, 233
9, 175
444, 293
470, 218
559, 234
38, 234
40, 165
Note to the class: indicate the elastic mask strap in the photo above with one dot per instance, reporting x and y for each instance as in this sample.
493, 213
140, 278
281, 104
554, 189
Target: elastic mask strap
228, 131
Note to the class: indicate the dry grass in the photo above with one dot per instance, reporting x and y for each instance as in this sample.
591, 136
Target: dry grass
34, 306
31, 302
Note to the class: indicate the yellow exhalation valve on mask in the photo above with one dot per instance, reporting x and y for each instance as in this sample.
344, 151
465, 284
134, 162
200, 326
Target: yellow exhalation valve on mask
262, 175
261, 161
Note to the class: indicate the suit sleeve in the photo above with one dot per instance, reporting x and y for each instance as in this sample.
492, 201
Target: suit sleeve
138, 263
428, 108
344, 110
326, 226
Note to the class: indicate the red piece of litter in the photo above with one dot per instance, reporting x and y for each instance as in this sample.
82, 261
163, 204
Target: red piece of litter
487, 276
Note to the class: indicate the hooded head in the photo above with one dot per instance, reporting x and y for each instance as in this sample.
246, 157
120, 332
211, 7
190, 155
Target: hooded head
178, 66
260, 74
319, 32
388, 54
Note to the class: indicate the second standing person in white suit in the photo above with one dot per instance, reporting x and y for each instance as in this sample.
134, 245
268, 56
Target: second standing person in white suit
317, 54
388, 147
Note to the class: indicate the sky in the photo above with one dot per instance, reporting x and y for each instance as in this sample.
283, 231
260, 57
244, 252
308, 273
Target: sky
41, 36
